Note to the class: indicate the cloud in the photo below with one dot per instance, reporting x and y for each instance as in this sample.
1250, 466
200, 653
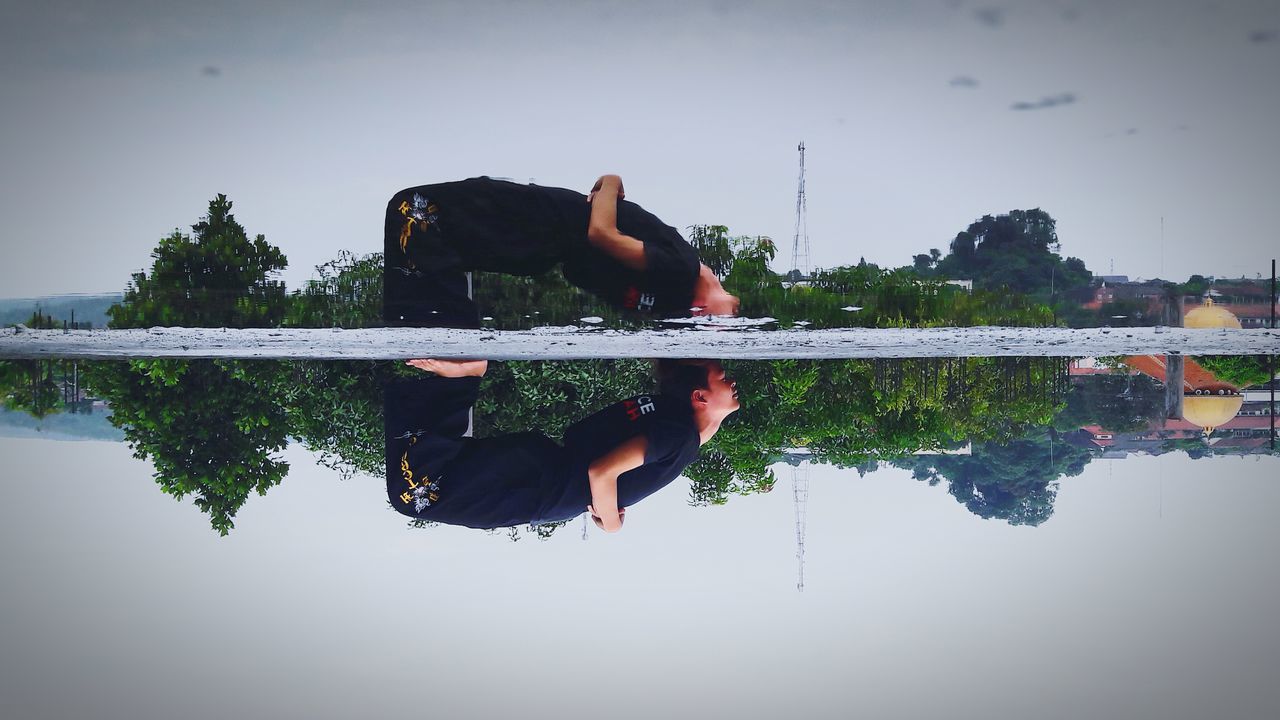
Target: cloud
990, 16
1045, 102
1263, 36
211, 71
963, 81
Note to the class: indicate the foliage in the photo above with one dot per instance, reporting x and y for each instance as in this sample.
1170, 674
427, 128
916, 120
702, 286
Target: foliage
1196, 285
865, 295
28, 386
1119, 403
1239, 370
548, 396
509, 302
334, 408
1014, 480
217, 277
846, 412
346, 293
714, 247
209, 427
1017, 251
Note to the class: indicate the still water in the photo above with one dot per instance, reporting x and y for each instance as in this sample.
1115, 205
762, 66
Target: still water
980, 538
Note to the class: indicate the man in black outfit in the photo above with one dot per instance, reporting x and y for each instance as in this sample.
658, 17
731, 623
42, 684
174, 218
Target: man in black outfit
610, 247
608, 461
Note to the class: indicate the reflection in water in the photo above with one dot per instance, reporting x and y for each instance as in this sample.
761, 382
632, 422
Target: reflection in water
999, 432
213, 429
609, 461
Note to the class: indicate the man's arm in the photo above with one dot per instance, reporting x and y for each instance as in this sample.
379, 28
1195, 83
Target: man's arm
603, 477
602, 229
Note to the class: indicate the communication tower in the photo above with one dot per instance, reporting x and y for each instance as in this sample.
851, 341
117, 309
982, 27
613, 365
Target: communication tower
800, 498
800, 244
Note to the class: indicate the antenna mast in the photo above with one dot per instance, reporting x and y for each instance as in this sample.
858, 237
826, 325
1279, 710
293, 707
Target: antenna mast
799, 251
800, 498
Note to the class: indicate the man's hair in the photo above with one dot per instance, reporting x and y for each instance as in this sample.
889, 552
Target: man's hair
679, 378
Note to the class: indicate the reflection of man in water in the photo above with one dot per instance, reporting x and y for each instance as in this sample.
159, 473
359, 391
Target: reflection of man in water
608, 462
608, 246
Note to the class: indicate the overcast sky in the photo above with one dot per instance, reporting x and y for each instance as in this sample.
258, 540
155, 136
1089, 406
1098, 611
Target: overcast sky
121, 120
1149, 594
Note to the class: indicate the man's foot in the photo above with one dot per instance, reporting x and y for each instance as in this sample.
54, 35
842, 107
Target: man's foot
451, 368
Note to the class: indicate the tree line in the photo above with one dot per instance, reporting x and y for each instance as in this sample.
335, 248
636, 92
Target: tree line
213, 429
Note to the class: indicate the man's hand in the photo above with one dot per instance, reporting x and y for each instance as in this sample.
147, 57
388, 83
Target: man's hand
451, 368
610, 180
622, 517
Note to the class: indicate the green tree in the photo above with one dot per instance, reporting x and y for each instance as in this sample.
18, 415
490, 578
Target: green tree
346, 292
29, 386
1195, 285
1239, 370
714, 246
1119, 403
207, 426
216, 277
851, 411
210, 427
1015, 251
334, 409
1015, 481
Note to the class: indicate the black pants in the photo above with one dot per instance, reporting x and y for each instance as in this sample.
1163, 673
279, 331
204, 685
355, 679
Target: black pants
434, 234
435, 473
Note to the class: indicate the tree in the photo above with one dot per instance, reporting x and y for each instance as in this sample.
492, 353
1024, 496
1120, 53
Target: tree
1119, 403
714, 247
1017, 251
1015, 481
28, 386
1239, 370
346, 293
1195, 285
216, 277
207, 426
210, 427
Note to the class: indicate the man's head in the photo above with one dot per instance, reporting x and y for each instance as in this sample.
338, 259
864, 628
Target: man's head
710, 297
710, 390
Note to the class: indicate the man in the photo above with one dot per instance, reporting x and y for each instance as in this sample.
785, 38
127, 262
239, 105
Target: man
607, 463
608, 246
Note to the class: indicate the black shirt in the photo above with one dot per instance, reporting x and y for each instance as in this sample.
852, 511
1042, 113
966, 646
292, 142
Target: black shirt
666, 284
672, 443
436, 474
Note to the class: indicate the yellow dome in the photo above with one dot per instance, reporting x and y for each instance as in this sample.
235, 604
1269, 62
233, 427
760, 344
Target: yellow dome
1210, 411
1209, 315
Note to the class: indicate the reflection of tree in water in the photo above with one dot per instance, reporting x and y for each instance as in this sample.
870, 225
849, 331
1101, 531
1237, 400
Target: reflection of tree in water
1239, 370
1119, 403
40, 387
29, 386
848, 412
210, 427
1013, 480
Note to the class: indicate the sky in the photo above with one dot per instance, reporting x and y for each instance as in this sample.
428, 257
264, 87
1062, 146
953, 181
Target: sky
1148, 594
1146, 129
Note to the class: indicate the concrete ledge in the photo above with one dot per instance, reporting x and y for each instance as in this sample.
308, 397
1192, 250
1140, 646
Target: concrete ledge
566, 343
